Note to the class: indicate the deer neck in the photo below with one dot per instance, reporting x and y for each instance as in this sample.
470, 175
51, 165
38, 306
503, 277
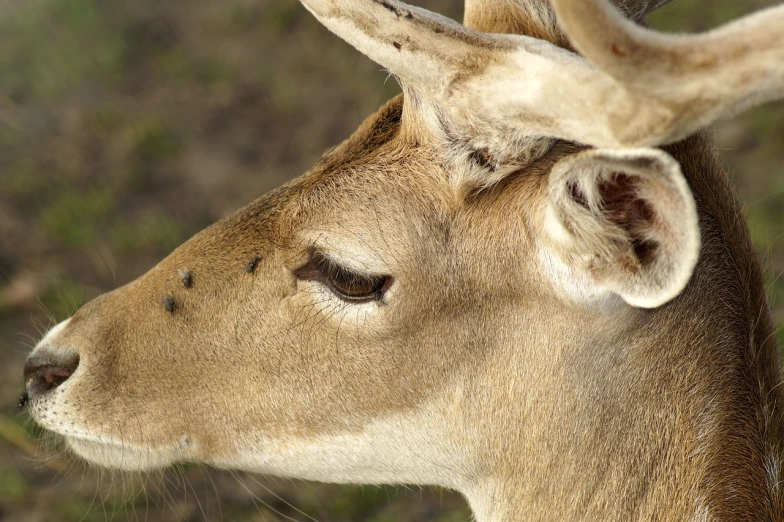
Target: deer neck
594, 442
605, 445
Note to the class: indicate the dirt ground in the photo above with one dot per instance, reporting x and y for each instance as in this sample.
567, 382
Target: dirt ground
126, 127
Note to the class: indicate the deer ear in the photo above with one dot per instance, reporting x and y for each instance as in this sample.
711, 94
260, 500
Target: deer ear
627, 221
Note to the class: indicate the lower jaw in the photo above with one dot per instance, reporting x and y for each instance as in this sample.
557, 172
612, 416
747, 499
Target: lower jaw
119, 457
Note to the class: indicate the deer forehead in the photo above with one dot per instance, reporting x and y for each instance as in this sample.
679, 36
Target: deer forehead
404, 198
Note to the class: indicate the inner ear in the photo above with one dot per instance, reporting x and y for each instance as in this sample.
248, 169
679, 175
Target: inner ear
626, 220
625, 206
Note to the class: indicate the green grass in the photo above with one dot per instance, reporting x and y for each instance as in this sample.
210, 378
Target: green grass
156, 232
43, 56
13, 486
74, 218
279, 17
694, 16
181, 67
75, 509
62, 297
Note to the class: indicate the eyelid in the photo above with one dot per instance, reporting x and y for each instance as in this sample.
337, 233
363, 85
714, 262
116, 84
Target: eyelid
317, 258
320, 267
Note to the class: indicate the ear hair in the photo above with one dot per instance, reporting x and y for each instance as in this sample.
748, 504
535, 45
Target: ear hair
627, 220
536, 18
524, 17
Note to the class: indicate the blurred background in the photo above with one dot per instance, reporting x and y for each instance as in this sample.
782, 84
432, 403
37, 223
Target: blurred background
125, 127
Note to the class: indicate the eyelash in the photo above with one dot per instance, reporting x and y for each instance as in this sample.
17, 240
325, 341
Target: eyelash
346, 284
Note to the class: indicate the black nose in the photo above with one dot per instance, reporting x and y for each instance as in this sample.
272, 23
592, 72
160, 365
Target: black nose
45, 371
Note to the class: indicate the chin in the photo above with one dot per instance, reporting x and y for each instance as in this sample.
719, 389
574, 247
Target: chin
120, 456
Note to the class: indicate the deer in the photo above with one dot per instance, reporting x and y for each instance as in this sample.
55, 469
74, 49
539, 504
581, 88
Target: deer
526, 278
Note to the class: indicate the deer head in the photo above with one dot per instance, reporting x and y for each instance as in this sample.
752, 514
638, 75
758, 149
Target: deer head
526, 279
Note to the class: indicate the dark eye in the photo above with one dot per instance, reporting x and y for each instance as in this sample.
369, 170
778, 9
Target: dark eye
347, 284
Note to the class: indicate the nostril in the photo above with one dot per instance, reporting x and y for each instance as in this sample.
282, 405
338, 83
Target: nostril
46, 371
55, 376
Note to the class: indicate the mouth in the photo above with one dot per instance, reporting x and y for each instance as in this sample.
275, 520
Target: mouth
105, 450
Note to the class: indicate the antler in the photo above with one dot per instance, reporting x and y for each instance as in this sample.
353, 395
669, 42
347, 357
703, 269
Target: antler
637, 87
700, 78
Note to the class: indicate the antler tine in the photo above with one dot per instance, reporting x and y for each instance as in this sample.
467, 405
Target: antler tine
700, 78
413, 37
